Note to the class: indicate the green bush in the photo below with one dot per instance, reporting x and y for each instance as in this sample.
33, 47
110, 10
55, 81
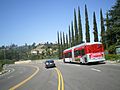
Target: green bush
112, 57
111, 49
77, 59
1, 66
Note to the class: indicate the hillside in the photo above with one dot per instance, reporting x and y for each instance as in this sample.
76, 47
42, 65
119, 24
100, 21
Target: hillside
25, 52
42, 51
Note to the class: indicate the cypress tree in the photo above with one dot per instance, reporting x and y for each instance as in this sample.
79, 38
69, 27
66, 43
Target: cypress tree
73, 42
58, 45
87, 25
66, 41
69, 37
75, 28
102, 28
107, 31
95, 28
80, 27
61, 46
64, 45
107, 22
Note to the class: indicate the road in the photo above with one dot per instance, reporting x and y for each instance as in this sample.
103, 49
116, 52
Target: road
66, 76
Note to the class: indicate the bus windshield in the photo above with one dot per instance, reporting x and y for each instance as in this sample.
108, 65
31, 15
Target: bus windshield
68, 55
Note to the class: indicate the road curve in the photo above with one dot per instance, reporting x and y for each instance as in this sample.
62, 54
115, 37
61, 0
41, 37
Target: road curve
20, 75
27, 79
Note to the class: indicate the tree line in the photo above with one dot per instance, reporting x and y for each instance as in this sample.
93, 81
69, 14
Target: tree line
109, 26
14, 52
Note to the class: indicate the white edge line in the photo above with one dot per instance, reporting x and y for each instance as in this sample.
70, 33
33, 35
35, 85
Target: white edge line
96, 69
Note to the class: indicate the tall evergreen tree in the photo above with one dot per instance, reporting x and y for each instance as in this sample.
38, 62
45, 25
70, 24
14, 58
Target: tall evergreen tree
66, 41
69, 37
75, 28
59, 51
107, 31
61, 46
95, 28
87, 25
102, 28
73, 40
64, 45
80, 27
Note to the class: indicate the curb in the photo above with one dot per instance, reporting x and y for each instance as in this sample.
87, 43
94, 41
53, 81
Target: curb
113, 62
4, 71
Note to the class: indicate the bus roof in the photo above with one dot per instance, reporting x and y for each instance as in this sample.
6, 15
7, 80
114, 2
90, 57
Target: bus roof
67, 49
80, 45
83, 44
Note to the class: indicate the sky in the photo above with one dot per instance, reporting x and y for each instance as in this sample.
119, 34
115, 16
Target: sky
28, 21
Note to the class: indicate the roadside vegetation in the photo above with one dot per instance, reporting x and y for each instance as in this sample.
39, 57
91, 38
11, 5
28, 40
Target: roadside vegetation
112, 57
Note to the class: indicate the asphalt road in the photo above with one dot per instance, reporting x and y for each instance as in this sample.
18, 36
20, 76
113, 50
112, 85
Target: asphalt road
66, 76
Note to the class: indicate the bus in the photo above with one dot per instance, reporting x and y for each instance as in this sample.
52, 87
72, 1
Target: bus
85, 53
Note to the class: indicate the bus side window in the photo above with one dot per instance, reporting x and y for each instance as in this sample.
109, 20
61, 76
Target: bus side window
83, 52
77, 53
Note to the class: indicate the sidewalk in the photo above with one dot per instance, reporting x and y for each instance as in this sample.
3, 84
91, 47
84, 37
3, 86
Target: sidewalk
112, 62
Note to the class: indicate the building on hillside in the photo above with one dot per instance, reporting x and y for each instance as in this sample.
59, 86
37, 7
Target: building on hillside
37, 51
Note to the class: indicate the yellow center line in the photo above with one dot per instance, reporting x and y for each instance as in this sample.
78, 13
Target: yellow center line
60, 80
27, 79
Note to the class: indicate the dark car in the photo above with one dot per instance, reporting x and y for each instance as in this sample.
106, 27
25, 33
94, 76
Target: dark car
49, 64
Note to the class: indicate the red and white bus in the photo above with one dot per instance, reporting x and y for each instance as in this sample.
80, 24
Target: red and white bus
85, 53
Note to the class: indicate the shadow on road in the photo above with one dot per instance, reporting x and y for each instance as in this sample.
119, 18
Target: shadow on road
88, 64
50, 67
95, 63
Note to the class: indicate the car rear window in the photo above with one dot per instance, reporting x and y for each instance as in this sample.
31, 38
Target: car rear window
50, 61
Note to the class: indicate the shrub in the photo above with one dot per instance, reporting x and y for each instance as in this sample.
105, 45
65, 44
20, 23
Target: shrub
77, 59
112, 57
111, 49
1, 66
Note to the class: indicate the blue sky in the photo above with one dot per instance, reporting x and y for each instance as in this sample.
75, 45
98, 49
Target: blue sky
28, 21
